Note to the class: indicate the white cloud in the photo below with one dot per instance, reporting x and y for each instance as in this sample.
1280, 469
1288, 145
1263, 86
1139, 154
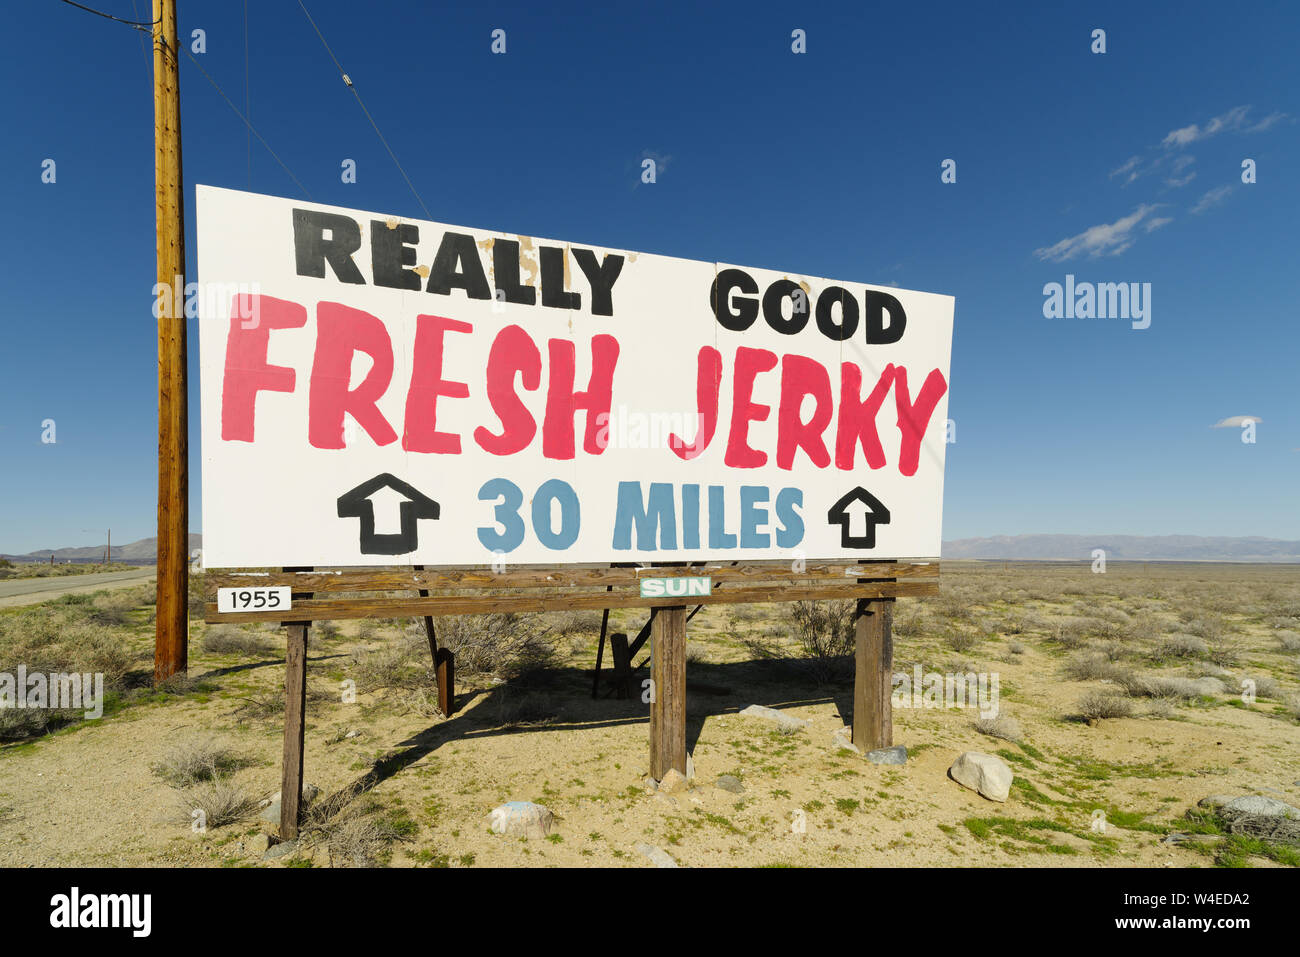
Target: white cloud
1108, 239
1235, 421
1128, 170
1211, 199
1154, 224
1235, 120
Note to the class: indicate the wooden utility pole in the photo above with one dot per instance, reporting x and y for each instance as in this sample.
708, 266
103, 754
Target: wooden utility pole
172, 629
108, 549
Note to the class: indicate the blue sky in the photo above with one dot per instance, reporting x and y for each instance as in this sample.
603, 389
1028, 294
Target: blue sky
825, 163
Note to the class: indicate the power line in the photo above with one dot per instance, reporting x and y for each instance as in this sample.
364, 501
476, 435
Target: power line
137, 24
348, 80
248, 105
251, 129
142, 25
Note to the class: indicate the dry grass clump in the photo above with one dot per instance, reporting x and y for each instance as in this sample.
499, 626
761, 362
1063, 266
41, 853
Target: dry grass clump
1172, 687
1003, 726
200, 759
215, 803
1289, 640
357, 831
229, 640
1095, 667
960, 641
403, 664
581, 621
269, 703
1180, 646
500, 644
1072, 632
1096, 705
1267, 687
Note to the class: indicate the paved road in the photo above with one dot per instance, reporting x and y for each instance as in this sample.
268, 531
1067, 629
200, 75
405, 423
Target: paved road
29, 591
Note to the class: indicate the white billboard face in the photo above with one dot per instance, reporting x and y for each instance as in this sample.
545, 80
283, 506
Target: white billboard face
378, 391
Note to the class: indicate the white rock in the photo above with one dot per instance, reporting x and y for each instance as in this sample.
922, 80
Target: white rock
521, 819
655, 855
780, 717
984, 773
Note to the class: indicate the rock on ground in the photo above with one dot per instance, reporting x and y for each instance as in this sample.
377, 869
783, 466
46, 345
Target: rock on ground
984, 773
781, 718
1259, 806
895, 755
728, 782
673, 782
655, 855
521, 819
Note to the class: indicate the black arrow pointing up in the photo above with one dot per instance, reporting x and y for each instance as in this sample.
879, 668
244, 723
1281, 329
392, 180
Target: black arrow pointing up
356, 504
858, 501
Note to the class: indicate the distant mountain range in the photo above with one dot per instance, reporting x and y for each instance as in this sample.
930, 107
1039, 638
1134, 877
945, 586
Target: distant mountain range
1119, 548
143, 552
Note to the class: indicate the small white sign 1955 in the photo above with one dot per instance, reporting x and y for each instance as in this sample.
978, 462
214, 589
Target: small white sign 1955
254, 598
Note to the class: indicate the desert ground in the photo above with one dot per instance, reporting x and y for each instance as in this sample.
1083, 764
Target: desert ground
1126, 698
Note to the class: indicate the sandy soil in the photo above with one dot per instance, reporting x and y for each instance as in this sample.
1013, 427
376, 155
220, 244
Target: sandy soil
87, 795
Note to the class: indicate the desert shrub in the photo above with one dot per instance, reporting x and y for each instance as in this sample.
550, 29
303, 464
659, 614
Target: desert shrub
1222, 652
1016, 648
1267, 687
200, 759
220, 802
825, 632
1292, 705
1202, 624
502, 644
357, 832
1102, 704
577, 622
61, 637
1171, 687
269, 704
1093, 667
1289, 640
960, 640
1033, 621
1071, 632
229, 640
1003, 726
402, 663
1161, 708
1180, 646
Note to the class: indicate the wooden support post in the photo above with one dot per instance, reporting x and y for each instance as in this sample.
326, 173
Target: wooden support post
295, 715
171, 630
618, 650
600, 650
873, 723
668, 691
444, 663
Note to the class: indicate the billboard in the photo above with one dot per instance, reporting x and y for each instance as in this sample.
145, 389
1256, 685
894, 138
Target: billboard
378, 391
